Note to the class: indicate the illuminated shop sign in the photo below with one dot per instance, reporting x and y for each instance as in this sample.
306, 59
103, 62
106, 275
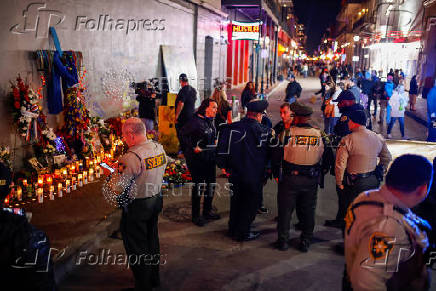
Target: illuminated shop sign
245, 30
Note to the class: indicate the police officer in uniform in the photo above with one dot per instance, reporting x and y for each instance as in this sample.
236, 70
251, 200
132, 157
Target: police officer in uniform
300, 177
356, 167
347, 104
144, 163
243, 150
384, 240
282, 133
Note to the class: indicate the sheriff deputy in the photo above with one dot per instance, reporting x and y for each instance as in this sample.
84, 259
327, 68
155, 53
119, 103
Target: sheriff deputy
301, 171
384, 241
356, 158
144, 163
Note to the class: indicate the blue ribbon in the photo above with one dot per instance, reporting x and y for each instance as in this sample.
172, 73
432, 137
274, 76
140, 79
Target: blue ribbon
56, 40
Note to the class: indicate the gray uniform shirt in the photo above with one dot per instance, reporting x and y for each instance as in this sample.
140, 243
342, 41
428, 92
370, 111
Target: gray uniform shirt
147, 162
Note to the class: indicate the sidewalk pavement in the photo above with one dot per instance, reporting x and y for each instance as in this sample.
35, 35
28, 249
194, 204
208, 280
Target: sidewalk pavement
237, 91
77, 221
420, 115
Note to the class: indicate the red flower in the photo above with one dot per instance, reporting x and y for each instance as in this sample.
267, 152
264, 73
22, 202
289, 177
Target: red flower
17, 105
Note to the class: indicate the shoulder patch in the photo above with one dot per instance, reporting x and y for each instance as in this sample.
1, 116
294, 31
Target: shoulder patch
349, 219
380, 245
155, 162
344, 118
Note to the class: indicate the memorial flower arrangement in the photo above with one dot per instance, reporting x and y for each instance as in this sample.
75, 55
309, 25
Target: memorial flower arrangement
177, 173
26, 110
5, 156
152, 135
31, 122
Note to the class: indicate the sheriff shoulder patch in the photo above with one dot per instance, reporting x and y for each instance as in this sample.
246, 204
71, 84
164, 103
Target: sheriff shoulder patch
380, 245
155, 162
349, 219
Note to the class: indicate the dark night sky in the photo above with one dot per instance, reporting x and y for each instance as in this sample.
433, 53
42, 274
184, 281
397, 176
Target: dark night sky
317, 16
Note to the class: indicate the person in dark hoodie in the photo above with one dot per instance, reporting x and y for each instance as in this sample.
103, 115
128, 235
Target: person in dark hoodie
367, 85
147, 106
198, 138
25, 262
293, 90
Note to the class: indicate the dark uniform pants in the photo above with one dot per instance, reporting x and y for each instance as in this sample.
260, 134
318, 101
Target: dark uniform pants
342, 206
204, 178
300, 191
360, 185
141, 241
244, 203
179, 135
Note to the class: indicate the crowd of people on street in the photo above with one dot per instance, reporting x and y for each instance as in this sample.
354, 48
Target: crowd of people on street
297, 156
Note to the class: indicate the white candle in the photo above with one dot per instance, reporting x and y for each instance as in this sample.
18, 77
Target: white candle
73, 182
67, 186
79, 179
39, 193
19, 193
85, 177
51, 192
60, 190
91, 175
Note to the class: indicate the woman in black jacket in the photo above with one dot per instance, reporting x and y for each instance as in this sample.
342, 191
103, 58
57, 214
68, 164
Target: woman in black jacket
198, 137
248, 94
413, 91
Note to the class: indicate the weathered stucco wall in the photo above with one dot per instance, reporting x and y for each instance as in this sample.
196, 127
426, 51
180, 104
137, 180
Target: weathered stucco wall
112, 35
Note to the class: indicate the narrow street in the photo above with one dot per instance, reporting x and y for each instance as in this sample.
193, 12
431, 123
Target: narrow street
413, 129
205, 258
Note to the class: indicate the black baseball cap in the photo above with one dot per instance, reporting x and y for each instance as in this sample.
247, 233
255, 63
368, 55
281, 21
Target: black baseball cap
357, 116
183, 77
300, 109
257, 105
345, 95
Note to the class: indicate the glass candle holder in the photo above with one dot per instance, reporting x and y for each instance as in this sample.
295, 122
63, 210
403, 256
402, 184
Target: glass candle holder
60, 190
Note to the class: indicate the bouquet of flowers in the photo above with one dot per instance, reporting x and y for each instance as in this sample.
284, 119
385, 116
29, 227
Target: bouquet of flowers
115, 124
5, 156
76, 113
177, 173
97, 122
32, 123
152, 135
26, 110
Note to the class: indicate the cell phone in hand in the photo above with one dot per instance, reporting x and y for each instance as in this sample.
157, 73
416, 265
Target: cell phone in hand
106, 166
18, 211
